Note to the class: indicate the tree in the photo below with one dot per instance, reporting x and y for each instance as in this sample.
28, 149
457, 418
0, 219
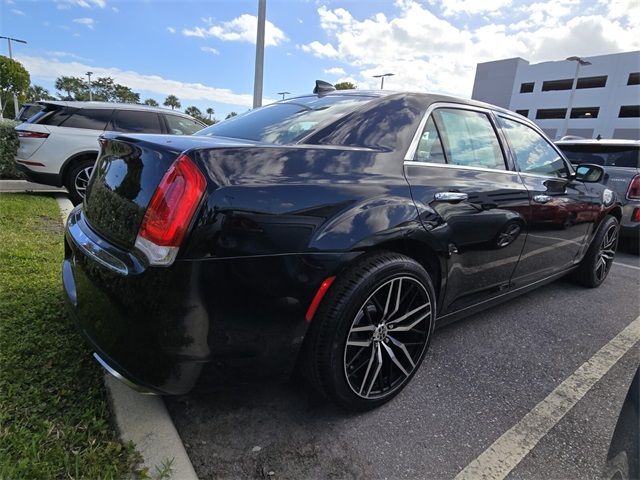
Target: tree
210, 111
124, 94
194, 112
345, 86
151, 102
14, 78
36, 92
231, 114
172, 101
103, 89
70, 85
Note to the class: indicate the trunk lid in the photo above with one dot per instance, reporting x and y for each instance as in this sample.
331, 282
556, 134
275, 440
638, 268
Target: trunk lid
126, 175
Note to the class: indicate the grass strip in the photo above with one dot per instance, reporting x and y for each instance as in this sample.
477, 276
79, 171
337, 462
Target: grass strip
54, 415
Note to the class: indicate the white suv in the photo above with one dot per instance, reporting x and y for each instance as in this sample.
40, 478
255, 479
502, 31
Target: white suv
59, 144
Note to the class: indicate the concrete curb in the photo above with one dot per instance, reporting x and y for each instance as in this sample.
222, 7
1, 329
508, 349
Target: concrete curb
15, 186
143, 419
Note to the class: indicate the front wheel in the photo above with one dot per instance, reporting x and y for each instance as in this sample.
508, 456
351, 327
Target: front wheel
597, 262
78, 179
372, 331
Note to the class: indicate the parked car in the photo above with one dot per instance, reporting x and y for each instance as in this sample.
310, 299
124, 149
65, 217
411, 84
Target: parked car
621, 161
623, 458
329, 232
59, 145
27, 111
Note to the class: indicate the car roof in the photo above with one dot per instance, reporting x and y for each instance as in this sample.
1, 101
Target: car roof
111, 105
426, 97
613, 142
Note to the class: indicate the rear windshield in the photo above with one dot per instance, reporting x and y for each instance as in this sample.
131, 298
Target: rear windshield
605, 155
286, 121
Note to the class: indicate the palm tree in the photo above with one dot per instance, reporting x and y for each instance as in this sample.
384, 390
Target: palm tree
151, 102
345, 86
193, 111
36, 92
69, 85
231, 114
172, 101
210, 112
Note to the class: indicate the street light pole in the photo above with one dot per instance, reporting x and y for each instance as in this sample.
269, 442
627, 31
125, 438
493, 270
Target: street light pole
15, 97
381, 77
259, 73
283, 94
90, 96
579, 62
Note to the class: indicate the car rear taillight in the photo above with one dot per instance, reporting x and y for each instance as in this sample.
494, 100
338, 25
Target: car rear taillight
28, 134
170, 211
635, 217
634, 188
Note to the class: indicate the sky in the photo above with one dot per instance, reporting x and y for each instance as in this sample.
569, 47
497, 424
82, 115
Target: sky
204, 51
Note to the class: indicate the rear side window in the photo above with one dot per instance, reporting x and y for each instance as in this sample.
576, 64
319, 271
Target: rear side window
93, 119
534, 154
52, 116
469, 139
131, 121
430, 146
605, 155
182, 125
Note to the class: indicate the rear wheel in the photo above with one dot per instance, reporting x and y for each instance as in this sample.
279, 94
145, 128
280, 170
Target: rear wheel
372, 331
78, 179
597, 262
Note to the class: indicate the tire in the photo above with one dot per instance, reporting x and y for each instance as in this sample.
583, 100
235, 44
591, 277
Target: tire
596, 263
358, 299
77, 179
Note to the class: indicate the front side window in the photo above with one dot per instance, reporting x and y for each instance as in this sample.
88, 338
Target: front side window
533, 152
92, 119
131, 121
182, 126
429, 146
287, 121
469, 139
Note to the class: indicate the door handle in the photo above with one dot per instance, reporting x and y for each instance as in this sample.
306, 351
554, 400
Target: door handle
541, 198
451, 197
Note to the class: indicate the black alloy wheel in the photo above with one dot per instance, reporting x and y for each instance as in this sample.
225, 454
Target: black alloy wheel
371, 331
597, 262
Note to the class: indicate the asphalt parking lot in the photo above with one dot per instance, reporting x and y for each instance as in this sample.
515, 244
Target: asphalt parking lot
481, 376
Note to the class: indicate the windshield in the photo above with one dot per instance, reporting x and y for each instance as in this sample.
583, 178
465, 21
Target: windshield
605, 155
286, 121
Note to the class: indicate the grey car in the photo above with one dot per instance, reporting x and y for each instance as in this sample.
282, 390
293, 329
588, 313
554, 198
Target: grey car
621, 159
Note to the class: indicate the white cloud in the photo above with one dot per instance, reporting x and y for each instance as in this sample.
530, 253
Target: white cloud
16, 11
65, 4
49, 69
86, 21
335, 71
427, 52
240, 29
115, 9
60, 54
171, 30
472, 7
210, 50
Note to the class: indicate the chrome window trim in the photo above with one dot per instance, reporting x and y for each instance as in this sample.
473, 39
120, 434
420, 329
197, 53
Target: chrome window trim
413, 163
413, 146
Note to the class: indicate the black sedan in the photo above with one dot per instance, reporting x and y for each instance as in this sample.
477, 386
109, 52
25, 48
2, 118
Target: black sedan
329, 233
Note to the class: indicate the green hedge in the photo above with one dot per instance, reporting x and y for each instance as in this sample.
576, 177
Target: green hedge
8, 148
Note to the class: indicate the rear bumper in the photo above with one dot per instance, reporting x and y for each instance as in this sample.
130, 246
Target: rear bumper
52, 179
160, 330
628, 227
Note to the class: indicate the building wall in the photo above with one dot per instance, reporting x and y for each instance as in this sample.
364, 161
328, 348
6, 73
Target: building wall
609, 99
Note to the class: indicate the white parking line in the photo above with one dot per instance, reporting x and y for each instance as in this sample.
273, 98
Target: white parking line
625, 265
507, 451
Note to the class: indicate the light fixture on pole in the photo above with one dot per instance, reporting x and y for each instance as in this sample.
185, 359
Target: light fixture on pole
15, 97
283, 94
259, 73
580, 62
89, 76
381, 77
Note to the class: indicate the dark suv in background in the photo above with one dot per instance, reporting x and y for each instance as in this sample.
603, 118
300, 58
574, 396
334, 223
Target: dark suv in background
621, 160
59, 144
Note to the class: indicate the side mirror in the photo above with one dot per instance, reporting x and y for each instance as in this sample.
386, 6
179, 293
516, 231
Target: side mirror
590, 173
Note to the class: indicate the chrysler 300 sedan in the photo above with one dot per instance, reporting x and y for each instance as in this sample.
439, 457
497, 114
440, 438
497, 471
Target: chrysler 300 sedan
328, 234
